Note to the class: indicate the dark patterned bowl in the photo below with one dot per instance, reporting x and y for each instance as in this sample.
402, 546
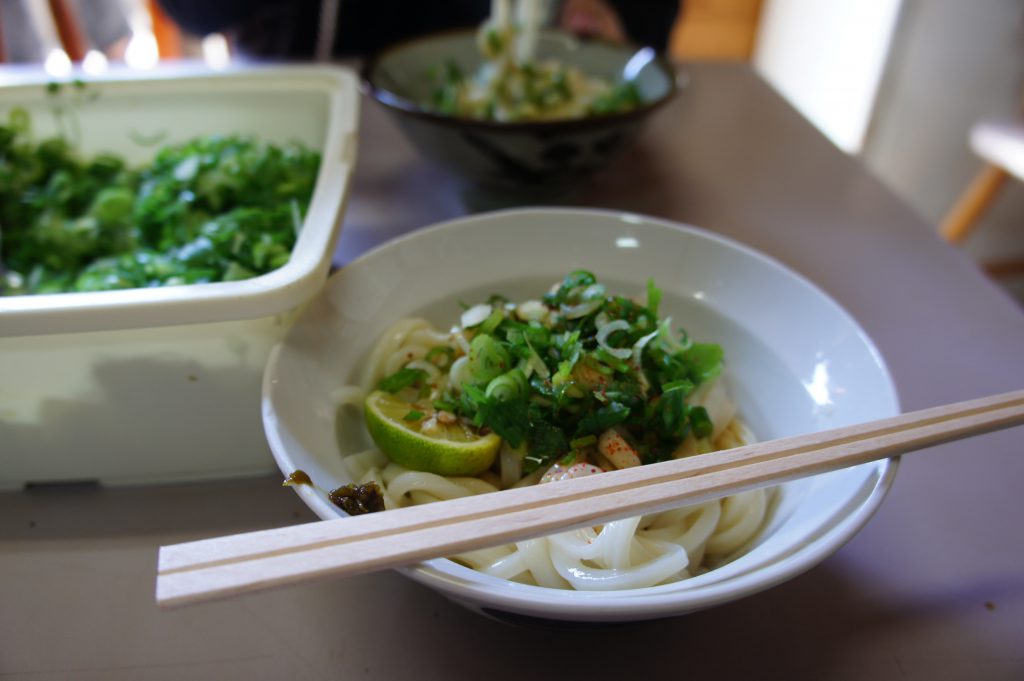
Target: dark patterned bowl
517, 161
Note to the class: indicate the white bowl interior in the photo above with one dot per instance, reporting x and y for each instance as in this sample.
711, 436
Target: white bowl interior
796, 363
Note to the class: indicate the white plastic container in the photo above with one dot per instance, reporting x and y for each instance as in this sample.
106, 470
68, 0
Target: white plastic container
163, 384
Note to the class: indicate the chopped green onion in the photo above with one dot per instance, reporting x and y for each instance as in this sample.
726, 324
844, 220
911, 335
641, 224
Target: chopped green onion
445, 405
701, 422
653, 298
476, 315
492, 322
552, 386
604, 334
534, 364
508, 386
612, 361
446, 353
487, 359
581, 442
401, 379
684, 384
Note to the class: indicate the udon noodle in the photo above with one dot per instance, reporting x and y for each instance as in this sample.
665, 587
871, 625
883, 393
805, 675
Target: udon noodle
632, 553
513, 84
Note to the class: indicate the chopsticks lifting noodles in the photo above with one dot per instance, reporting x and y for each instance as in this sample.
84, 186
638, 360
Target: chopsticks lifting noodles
246, 563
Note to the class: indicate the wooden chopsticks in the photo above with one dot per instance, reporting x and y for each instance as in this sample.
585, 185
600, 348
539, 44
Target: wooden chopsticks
234, 565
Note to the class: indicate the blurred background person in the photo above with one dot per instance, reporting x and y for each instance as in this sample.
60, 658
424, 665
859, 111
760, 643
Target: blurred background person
293, 29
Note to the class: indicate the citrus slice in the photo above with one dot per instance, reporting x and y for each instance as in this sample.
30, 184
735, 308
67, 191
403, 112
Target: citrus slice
415, 438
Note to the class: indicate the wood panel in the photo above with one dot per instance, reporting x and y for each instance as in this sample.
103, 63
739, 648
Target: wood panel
166, 32
716, 29
68, 30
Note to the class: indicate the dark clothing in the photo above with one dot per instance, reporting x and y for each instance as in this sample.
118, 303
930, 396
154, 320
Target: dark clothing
648, 22
287, 29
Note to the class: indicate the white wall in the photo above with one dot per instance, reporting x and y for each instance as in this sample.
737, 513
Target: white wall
953, 63
827, 58
929, 70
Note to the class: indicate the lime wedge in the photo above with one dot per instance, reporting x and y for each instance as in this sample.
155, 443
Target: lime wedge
412, 437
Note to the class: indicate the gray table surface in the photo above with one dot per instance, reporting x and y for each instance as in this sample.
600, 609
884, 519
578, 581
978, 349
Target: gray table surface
932, 588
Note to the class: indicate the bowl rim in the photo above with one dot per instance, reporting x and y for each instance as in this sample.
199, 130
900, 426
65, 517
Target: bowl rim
476, 590
403, 105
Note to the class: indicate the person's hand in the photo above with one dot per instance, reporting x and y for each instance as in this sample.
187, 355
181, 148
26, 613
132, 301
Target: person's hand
592, 19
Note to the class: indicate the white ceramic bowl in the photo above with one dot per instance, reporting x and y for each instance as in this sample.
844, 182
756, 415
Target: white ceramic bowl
796, 362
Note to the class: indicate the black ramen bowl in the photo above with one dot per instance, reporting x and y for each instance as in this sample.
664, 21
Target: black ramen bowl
522, 161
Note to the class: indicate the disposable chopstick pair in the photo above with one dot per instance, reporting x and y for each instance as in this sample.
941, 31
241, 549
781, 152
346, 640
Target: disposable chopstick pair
246, 563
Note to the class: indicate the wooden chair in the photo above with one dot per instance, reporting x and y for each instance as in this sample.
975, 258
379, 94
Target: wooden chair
715, 29
1000, 144
70, 36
